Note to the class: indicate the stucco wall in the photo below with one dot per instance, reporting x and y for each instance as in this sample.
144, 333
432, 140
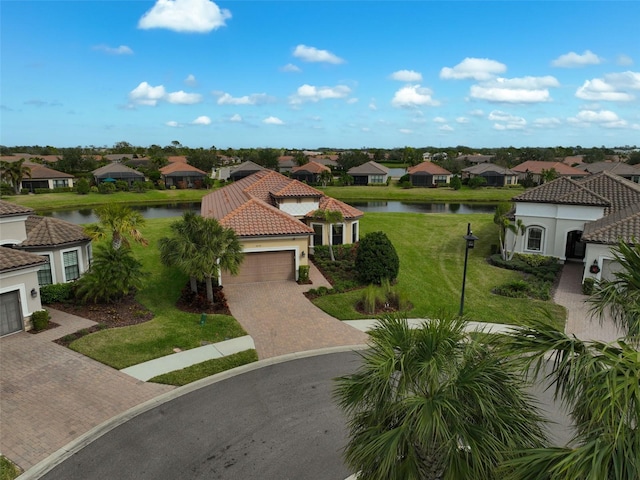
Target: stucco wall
13, 230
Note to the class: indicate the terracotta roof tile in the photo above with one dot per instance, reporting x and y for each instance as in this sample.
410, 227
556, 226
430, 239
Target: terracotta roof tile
311, 167
41, 172
562, 191
428, 167
369, 168
621, 225
488, 167
257, 218
11, 259
620, 192
48, 231
348, 212
116, 169
179, 167
8, 209
535, 166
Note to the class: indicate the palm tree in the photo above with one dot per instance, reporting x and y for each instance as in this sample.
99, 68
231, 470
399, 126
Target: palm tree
200, 247
599, 383
14, 172
433, 403
621, 295
120, 222
331, 217
505, 225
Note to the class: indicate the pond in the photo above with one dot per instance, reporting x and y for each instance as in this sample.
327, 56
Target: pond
87, 215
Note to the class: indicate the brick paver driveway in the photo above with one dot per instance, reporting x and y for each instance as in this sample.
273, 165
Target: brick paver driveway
282, 320
50, 395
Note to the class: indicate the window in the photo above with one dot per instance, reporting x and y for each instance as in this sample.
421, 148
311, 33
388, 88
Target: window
354, 232
60, 183
44, 274
336, 234
534, 239
317, 234
71, 266
376, 178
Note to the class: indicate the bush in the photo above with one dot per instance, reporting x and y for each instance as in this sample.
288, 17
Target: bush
588, 286
376, 259
106, 188
303, 273
456, 183
477, 182
94, 189
6, 189
82, 186
40, 320
56, 293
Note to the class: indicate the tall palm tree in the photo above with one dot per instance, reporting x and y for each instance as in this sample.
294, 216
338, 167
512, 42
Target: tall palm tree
599, 383
505, 225
621, 296
14, 172
120, 222
433, 403
200, 247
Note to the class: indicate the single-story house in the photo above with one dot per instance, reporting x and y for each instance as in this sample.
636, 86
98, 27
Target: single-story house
369, 173
244, 170
182, 175
495, 175
35, 251
330, 161
621, 169
117, 171
428, 174
537, 168
579, 220
476, 158
45, 177
273, 216
309, 172
286, 163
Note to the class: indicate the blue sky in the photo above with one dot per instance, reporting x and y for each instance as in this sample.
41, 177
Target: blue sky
310, 74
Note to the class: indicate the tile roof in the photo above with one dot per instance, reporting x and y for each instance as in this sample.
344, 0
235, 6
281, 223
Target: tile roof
48, 231
369, 168
535, 166
428, 167
248, 166
41, 172
621, 225
248, 205
488, 167
348, 212
116, 169
562, 191
619, 168
11, 259
311, 167
619, 191
179, 167
177, 158
8, 209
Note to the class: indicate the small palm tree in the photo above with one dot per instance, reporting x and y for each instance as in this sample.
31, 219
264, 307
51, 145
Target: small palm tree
433, 403
331, 217
506, 225
14, 172
120, 222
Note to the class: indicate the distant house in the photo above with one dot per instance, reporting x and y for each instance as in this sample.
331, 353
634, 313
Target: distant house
117, 171
536, 169
330, 161
309, 172
621, 169
370, 173
45, 177
35, 251
495, 175
118, 157
244, 170
579, 220
286, 163
182, 175
428, 174
476, 158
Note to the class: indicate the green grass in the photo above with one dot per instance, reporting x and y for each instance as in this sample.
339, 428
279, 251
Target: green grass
171, 328
431, 251
443, 194
8, 471
206, 369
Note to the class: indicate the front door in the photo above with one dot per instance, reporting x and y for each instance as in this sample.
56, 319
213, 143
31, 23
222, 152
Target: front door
575, 247
10, 313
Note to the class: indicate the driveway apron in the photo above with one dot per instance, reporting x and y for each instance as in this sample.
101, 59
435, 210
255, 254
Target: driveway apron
50, 395
282, 320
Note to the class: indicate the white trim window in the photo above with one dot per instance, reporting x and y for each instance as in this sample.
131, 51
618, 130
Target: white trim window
534, 239
318, 234
45, 274
354, 232
71, 264
337, 234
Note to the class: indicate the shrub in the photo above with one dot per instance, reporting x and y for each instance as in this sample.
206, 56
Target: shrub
456, 183
122, 186
477, 182
106, 188
56, 293
588, 286
513, 289
303, 273
371, 297
6, 189
376, 259
40, 320
82, 186
94, 189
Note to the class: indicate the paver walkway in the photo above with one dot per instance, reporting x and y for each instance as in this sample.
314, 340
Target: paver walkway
281, 320
50, 395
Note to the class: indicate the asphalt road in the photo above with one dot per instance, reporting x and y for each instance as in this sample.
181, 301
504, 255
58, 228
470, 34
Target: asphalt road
277, 422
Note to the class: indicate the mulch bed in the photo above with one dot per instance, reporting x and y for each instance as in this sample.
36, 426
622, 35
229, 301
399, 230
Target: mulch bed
127, 311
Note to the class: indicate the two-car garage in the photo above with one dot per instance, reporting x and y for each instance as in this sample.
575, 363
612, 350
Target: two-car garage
266, 266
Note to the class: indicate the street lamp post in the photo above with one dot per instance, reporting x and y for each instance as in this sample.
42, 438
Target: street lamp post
470, 240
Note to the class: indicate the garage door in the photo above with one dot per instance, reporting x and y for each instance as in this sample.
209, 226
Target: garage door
10, 314
263, 267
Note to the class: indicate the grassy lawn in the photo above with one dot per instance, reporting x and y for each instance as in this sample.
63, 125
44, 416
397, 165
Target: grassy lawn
171, 328
431, 251
8, 471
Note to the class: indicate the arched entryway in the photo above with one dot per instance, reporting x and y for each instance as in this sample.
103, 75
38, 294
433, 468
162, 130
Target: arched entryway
575, 247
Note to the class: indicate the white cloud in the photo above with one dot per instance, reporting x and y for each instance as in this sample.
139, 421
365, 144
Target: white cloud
474, 68
406, 131
614, 87
408, 76
573, 60
311, 93
624, 60
191, 80
513, 91
603, 118
462, 120
202, 120
183, 98
290, 67
477, 113
145, 94
235, 118
440, 120
121, 50
199, 16
273, 121
312, 54
172, 123
413, 96
253, 99
550, 122
506, 121
446, 128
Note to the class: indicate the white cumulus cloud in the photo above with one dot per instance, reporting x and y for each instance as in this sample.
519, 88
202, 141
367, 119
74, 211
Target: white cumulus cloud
440, 120
290, 67
202, 120
172, 123
273, 121
311, 93
235, 118
614, 87
624, 60
413, 96
312, 54
603, 118
198, 16
145, 94
498, 94
183, 98
191, 80
408, 76
506, 121
121, 50
446, 128
462, 120
474, 68
574, 60
548, 122
253, 99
